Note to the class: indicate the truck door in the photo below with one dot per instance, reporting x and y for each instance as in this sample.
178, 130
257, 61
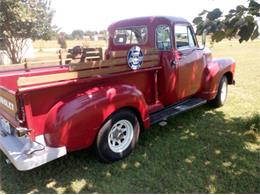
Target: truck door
167, 76
188, 61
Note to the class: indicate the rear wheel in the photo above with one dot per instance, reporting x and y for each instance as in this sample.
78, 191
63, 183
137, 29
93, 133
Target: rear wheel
118, 136
221, 97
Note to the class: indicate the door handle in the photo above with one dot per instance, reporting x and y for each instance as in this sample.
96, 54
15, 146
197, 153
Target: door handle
173, 63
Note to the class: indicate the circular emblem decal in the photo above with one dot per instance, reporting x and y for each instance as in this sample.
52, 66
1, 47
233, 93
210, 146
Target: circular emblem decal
135, 58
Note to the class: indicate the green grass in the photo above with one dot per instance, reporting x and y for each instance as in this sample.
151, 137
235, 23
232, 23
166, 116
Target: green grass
202, 151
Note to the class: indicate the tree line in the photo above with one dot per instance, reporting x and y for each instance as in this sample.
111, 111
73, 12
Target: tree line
80, 34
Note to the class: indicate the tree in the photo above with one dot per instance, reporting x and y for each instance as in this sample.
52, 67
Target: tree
242, 22
77, 34
89, 33
103, 32
21, 20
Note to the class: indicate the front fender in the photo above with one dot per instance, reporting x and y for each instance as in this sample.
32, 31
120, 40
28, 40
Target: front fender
75, 121
214, 71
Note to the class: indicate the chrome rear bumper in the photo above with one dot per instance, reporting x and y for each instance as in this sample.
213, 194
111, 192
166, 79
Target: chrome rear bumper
26, 154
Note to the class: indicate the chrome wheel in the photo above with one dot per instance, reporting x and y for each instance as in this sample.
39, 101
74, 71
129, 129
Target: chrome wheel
120, 136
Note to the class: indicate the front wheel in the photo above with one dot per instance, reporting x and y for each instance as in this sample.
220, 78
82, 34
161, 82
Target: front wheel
221, 97
118, 136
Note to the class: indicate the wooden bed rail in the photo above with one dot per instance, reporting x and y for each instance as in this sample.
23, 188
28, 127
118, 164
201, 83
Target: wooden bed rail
77, 70
57, 59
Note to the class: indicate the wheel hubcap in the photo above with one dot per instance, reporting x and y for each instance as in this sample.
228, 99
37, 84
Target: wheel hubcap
223, 94
120, 136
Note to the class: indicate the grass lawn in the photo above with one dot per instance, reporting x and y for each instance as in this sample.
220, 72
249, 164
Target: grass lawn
202, 151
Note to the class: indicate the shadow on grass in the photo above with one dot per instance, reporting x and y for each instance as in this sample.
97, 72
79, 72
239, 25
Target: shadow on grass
199, 151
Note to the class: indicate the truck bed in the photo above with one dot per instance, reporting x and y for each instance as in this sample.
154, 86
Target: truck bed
8, 78
44, 87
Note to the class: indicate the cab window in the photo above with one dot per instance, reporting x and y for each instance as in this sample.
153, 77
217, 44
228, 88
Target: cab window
163, 38
131, 35
184, 38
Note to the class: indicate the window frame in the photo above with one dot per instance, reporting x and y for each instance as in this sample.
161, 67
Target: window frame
188, 27
130, 28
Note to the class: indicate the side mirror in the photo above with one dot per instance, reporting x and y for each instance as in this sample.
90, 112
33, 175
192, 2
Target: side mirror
204, 37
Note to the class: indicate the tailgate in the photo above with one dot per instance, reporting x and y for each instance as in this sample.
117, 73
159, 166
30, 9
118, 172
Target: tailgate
8, 103
9, 89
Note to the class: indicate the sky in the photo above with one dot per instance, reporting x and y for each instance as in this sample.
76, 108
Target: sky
99, 14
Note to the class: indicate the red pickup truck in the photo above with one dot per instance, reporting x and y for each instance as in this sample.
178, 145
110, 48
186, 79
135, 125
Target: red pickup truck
153, 69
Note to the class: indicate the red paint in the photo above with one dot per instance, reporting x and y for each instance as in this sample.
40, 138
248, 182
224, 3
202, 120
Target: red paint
70, 113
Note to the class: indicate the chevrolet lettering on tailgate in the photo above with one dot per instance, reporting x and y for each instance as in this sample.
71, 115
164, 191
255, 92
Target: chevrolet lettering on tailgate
6, 103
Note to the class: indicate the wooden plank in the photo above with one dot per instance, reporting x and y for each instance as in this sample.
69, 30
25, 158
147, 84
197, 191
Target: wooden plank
42, 58
8, 102
44, 62
42, 65
25, 81
151, 57
34, 64
146, 51
4, 68
73, 66
92, 57
118, 54
93, 52
37, 62
150, 64
112, 62
96, 64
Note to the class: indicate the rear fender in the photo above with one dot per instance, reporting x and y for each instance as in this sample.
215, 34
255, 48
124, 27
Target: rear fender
214, 71
75, 121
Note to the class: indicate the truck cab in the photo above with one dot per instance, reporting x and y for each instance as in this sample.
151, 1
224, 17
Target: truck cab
183, 61
153, 69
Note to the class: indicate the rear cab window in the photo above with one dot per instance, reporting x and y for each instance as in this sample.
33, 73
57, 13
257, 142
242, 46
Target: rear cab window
163, 38
131, 35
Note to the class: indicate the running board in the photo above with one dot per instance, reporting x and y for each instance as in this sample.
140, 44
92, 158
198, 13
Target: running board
176, 109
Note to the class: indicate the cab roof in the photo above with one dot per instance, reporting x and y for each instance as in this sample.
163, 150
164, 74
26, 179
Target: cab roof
147, 20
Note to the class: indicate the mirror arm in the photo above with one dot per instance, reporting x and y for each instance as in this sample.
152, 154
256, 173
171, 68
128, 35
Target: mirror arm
201, 48
204, 37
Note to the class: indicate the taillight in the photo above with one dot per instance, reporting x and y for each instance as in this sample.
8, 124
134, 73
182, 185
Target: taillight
20, 115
